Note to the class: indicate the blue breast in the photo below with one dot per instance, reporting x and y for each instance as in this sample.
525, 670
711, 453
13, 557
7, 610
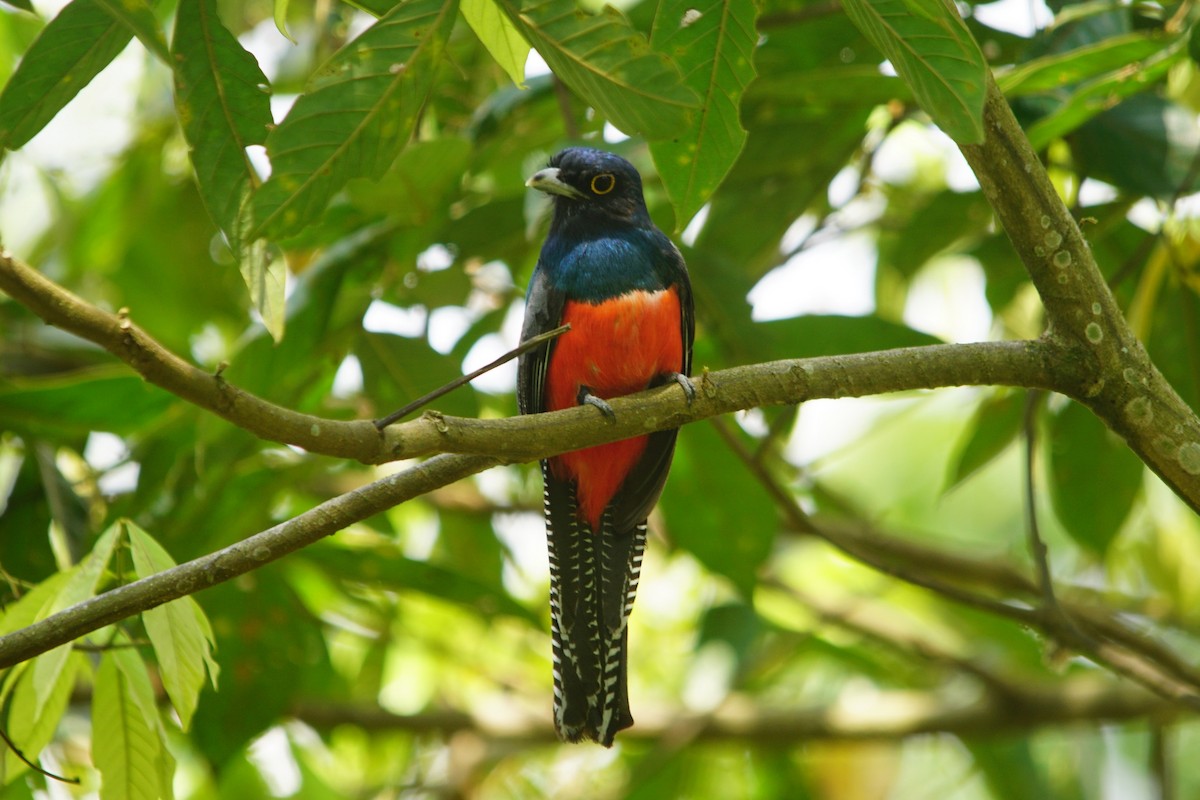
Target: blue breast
598, 267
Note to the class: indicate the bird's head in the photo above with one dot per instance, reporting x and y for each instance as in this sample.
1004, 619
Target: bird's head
592, 183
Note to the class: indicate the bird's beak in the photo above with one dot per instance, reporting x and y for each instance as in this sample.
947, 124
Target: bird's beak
548, 181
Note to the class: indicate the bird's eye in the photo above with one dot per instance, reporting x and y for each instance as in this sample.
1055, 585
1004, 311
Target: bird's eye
603, 183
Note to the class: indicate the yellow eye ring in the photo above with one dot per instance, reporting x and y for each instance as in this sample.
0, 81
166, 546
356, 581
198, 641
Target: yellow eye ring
604, 183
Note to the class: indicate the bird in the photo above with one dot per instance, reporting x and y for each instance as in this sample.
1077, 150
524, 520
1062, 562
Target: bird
623, 287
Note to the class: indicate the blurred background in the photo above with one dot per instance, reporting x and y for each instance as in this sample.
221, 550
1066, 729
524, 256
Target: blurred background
408, 656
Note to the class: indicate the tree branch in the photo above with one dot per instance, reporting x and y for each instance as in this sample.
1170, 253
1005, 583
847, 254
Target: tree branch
888, 716
237, 559
1119, 381
1035, 364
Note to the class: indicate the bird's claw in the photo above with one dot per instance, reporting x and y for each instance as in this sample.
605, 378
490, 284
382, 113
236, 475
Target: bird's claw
685, 383
586, 398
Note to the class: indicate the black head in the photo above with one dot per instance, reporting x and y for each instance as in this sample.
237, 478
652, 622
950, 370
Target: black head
589, 182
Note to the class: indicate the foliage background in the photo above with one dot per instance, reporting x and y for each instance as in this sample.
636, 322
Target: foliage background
408, 656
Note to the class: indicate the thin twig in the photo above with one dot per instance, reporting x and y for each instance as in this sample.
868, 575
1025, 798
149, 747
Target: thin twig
523, 347
786, 503
1121, 659
17, 752
1160, 760
1037, 546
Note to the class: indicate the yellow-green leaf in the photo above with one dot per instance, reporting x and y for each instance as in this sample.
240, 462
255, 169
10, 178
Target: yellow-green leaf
85, 577
126, 744
31, 725
177, 630
498, 35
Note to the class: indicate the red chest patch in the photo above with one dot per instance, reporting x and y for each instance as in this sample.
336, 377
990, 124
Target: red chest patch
615, 347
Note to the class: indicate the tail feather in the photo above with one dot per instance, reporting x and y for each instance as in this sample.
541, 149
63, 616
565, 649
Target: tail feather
593, 583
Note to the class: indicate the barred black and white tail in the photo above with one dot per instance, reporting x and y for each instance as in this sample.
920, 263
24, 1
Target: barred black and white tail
593, 581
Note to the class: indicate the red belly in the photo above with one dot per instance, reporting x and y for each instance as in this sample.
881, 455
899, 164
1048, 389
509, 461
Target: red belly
614, 348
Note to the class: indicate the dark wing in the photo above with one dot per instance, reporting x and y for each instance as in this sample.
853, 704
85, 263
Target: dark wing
543, 312
642, 487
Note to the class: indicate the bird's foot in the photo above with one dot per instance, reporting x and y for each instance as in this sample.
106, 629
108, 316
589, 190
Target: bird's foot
685, 383
586, 398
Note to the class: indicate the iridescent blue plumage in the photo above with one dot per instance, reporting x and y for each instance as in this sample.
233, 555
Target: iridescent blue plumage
606, 269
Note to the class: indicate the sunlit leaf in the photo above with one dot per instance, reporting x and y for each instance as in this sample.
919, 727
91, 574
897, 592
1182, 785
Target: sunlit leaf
608, 63
713, 43
266, 278
281, 9
356, 115
32, 724
70, 51
1099, 94
85, 578
930, 47
499, 35
175, 629
35, 604
125, 743
1060, 69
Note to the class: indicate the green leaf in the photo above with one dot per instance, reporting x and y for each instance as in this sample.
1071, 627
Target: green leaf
829, 335
266, 279
933, 51
33, 605
1146, 145
1097, 96
85, 577
609, 64
729, 538
1057, 70
355, 117
126, 740
178, 630
499, 35
714, 45
23, 5
397, 370
70, 51
281, 9
932, 228
138, 17
996, 423
31, 724
104, 398
223, 107
1094, 478
416, 190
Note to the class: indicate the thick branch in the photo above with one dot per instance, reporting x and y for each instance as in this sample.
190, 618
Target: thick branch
771, 383
1116, 380
526, 438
